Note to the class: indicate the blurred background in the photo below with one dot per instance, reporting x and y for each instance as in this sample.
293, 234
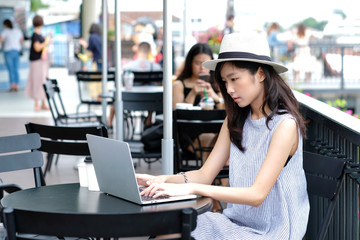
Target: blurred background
333, 27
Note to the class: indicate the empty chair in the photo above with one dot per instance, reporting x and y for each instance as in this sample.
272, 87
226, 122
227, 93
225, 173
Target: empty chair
135, 105
88, 225
58, 112
324, 176
19, 152
64, 140
188, 126
90, 86
148, 78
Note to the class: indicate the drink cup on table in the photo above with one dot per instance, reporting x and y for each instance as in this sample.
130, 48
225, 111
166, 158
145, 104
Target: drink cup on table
207, 103
128, 80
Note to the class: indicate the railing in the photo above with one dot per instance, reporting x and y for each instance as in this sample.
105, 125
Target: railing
334, 133
334, 67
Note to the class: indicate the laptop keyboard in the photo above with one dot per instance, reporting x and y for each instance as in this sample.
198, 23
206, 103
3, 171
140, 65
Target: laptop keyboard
147, 198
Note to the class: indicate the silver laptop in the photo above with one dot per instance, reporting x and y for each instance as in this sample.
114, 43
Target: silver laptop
115, 172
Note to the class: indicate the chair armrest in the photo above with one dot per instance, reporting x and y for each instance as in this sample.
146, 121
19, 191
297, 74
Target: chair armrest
10, 188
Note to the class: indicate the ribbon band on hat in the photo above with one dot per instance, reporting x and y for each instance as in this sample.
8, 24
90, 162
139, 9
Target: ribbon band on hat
250, 46
243, 55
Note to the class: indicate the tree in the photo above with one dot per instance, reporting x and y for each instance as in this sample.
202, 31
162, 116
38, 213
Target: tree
37, 4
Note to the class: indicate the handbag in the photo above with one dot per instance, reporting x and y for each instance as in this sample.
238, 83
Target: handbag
151, 137
45, 53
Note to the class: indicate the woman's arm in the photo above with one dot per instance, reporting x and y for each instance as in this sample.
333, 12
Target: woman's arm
178, 93
284, 143
38, 46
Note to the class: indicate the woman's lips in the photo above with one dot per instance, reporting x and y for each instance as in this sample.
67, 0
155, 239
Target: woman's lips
236, 99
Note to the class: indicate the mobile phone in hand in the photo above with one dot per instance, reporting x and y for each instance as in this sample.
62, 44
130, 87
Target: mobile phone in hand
205, 77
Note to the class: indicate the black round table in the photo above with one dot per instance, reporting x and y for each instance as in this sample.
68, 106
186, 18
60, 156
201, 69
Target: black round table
71, 198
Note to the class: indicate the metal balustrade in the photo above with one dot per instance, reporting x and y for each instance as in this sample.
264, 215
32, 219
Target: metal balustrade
333, 133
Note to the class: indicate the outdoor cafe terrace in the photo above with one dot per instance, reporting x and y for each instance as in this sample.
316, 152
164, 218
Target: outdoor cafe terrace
330, 132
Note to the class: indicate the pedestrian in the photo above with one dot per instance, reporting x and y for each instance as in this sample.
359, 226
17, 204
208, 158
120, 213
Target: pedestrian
39, 65
94, 45
11, 39
262, 136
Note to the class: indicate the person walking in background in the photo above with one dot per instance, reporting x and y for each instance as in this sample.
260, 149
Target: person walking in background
39, 65
94, 46
229, 25
303, 60
262, 136
273, 40
11, 39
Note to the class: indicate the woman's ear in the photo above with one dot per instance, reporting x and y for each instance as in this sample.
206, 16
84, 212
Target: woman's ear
260, 74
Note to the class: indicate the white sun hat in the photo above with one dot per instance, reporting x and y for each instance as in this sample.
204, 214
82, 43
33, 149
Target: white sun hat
250, 46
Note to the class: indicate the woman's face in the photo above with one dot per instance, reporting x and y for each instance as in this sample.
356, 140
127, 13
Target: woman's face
244, 88
197, 67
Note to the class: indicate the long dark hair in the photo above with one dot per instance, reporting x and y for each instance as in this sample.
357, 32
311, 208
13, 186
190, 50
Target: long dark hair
278, 96
198, 48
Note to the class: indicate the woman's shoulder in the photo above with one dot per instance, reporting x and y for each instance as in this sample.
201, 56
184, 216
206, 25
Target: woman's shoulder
37, 37
178, 83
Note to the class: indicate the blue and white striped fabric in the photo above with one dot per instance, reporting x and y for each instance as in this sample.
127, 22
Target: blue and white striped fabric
283, 214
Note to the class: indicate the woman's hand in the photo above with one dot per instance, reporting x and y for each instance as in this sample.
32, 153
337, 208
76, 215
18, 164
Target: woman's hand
147, 180
156, 190
201, 85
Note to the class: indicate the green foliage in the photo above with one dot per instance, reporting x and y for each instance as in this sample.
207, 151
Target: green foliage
37, 4
338, 103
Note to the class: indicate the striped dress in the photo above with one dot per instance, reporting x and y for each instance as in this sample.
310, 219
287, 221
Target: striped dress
283, 214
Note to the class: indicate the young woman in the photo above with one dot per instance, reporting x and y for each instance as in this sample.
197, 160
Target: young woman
39, 66
12, 38
262, 137
188, 88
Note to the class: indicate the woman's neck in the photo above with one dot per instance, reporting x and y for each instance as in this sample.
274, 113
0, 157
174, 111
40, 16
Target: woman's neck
37, 30
257, 113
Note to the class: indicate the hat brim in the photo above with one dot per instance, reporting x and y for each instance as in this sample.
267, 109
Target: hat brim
211, 64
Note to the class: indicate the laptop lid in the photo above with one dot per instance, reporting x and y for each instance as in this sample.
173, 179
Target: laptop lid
115, 171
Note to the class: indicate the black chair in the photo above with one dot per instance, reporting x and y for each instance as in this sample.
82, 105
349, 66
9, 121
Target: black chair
148, 78
63, 140
84, 80
324, 176
135, 105
188, 126
100, 226
19, 152
58, 112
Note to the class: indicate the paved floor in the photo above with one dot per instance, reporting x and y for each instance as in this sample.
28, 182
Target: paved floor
16, 109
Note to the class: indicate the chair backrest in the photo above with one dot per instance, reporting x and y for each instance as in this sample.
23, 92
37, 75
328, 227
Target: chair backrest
19, 152
142, 101
96, 225
188, 125
324, 176
148, 78
54, 99
65, 140
84, 78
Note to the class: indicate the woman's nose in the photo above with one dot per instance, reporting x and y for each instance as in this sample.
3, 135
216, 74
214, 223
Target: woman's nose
229, 89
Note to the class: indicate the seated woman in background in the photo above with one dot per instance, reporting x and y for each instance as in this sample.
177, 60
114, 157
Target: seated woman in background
188, 88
